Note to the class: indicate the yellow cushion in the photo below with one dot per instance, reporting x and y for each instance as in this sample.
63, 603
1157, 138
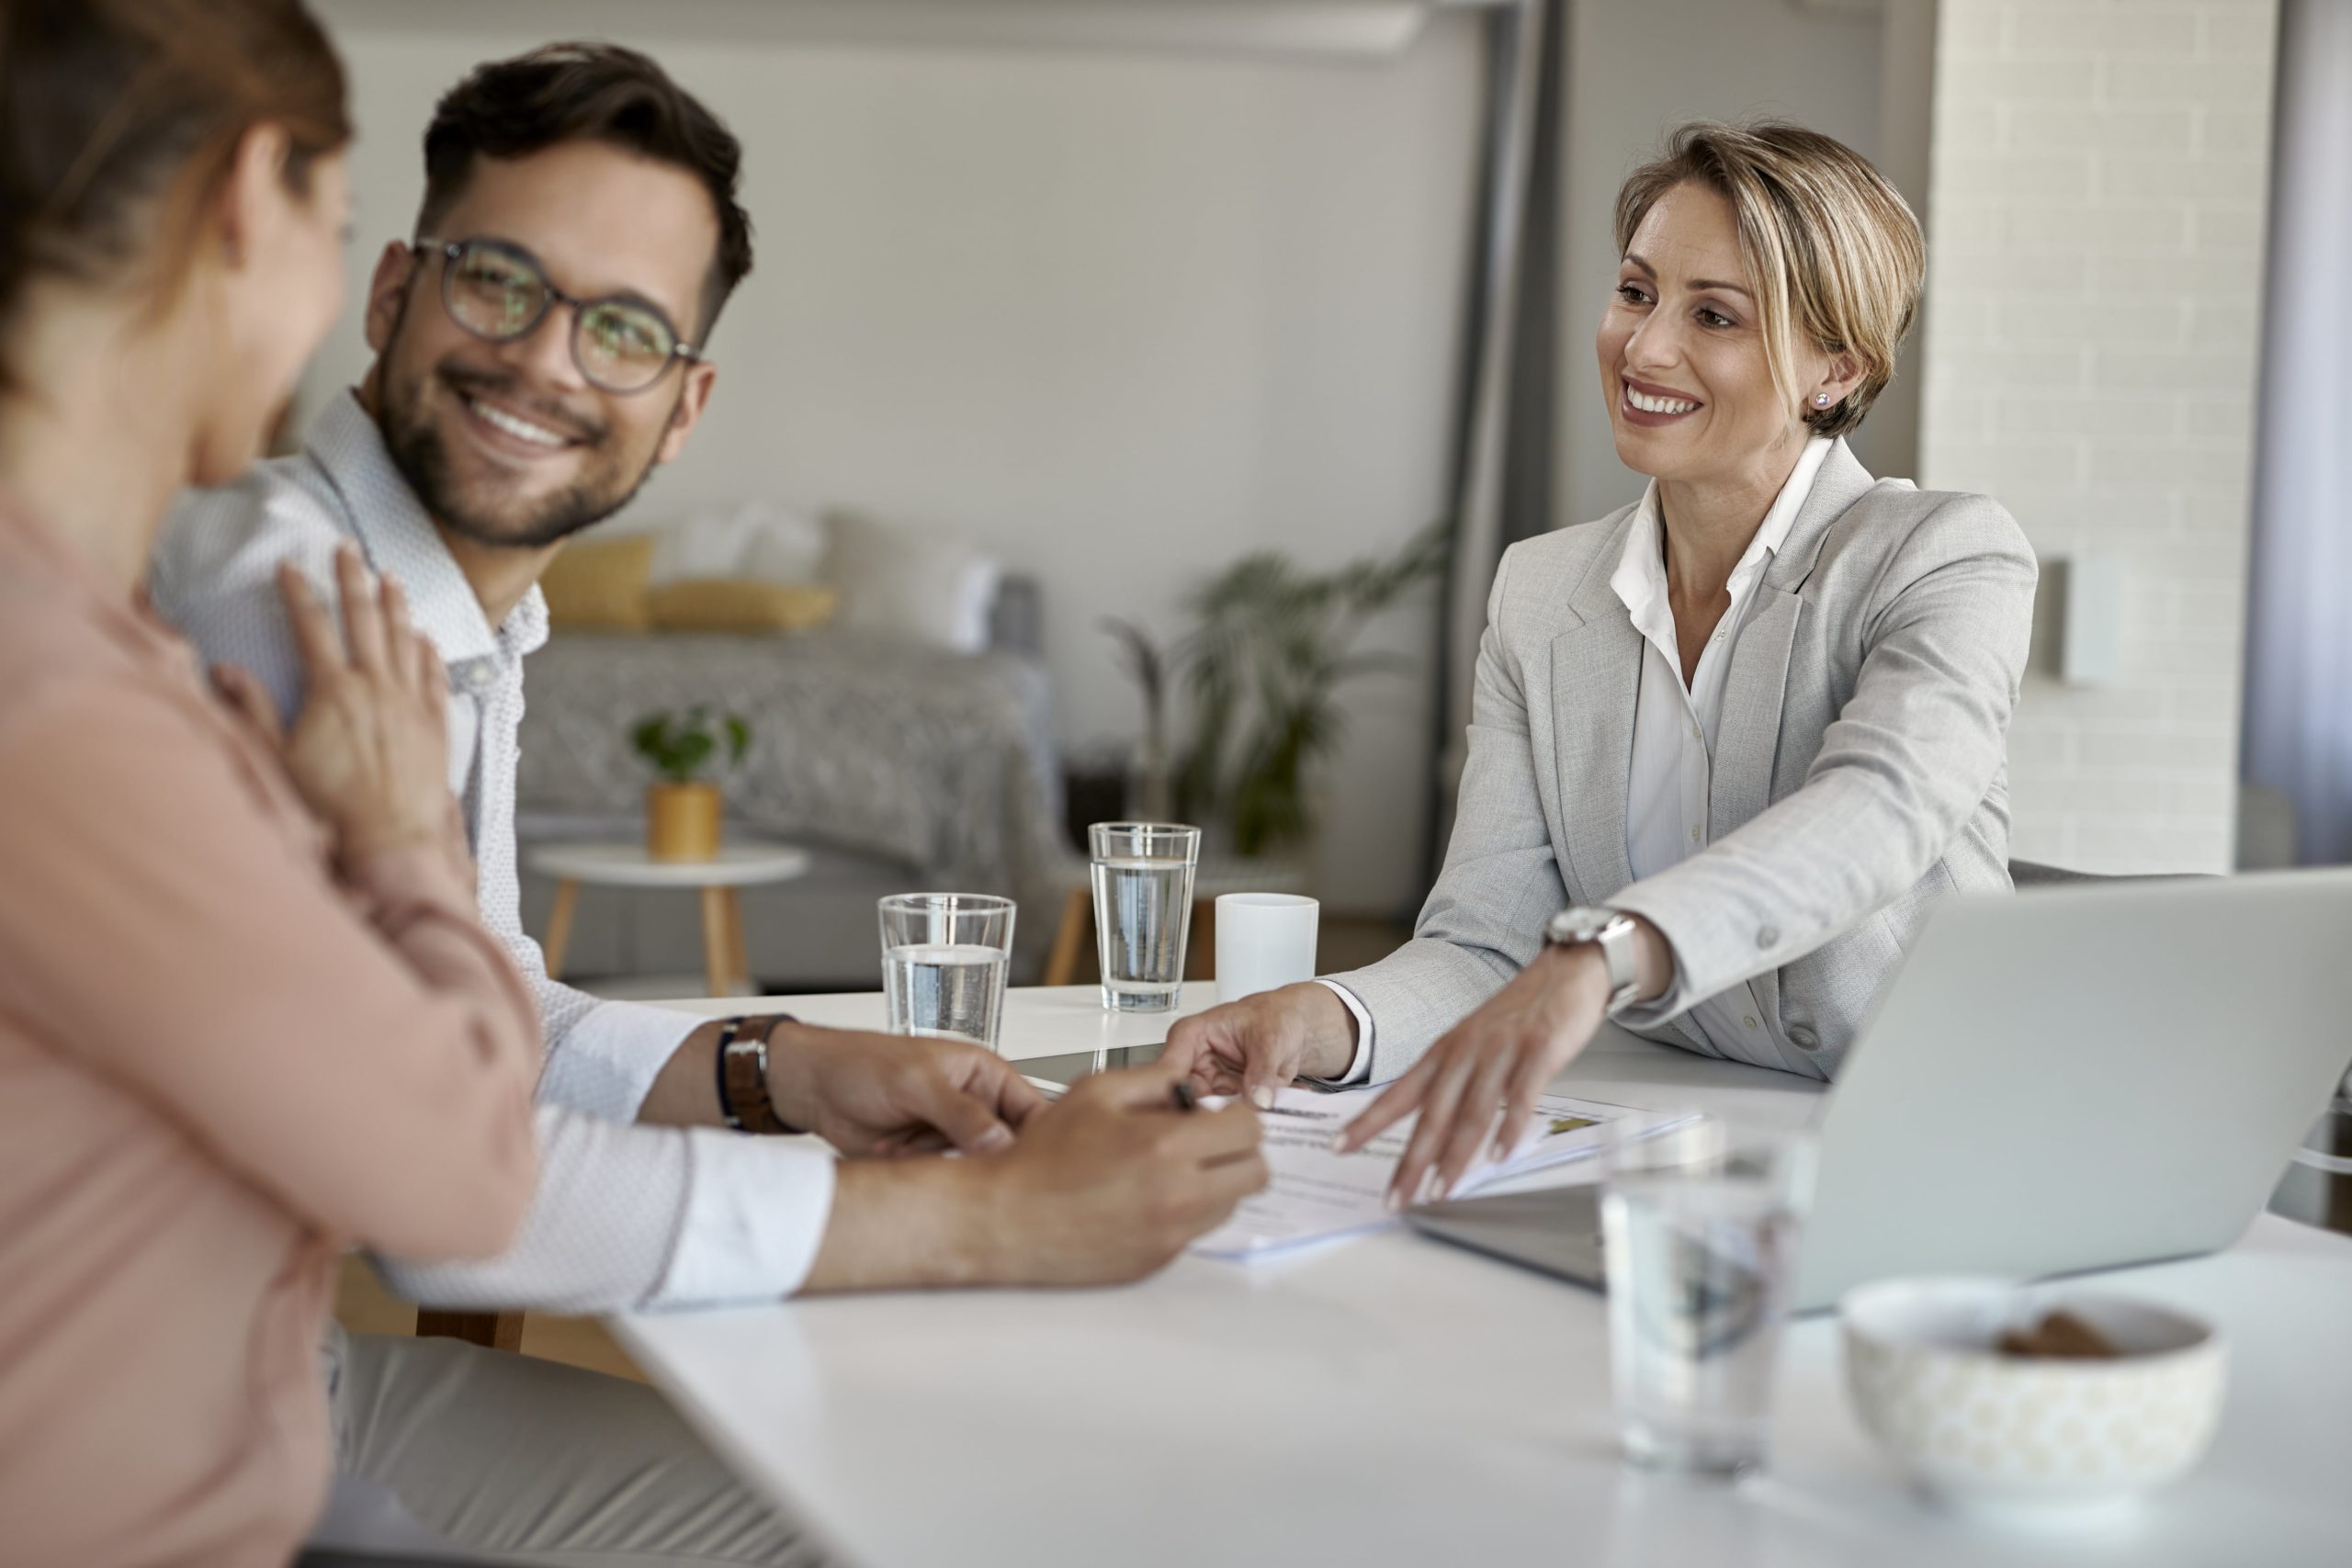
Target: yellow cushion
740, 605
599, 584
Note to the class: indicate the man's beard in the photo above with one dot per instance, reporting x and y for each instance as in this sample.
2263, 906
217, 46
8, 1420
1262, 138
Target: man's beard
417, 450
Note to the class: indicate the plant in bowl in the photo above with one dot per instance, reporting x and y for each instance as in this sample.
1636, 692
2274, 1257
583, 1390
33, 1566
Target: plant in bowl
682, 806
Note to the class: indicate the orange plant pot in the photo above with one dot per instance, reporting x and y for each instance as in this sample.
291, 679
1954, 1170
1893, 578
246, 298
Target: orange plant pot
682, 821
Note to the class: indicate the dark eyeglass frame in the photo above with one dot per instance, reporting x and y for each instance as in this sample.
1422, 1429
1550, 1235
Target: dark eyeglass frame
452, 252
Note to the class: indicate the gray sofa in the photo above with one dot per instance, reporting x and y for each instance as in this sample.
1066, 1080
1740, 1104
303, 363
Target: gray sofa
899, 767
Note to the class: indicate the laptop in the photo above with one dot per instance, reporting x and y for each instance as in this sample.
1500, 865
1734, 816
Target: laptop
2073, 1078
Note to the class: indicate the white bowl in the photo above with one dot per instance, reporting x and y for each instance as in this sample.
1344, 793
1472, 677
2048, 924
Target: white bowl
2029, 1437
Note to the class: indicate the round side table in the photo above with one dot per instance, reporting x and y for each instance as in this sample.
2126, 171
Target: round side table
739, 865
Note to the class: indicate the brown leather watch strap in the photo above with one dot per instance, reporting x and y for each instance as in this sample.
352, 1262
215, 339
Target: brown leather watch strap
744, 1077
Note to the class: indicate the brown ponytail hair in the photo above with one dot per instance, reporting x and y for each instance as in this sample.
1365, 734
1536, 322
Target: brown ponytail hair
119, 119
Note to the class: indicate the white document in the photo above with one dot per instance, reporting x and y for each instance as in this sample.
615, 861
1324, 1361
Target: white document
1318, 1195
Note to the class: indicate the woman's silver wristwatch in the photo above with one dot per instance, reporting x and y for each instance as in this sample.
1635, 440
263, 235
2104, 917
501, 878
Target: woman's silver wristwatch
1608, 930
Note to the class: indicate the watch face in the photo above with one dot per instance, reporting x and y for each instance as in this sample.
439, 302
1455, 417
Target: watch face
1577, 925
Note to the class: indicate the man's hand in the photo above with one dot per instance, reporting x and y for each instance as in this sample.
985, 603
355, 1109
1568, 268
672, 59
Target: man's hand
892, 1094
1105, 1187
1476, 1087
1109, 1185
1254, 1046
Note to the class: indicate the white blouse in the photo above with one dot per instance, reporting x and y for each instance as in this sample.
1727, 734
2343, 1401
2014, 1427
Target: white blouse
1674, 743
1675, 727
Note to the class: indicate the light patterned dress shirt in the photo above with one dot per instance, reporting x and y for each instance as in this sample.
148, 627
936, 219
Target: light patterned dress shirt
1674, 744
626, 1215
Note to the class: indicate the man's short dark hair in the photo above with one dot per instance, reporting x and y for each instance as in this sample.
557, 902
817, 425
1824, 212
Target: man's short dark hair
590, 91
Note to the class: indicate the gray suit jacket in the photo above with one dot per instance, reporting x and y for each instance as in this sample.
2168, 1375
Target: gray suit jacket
1859, 773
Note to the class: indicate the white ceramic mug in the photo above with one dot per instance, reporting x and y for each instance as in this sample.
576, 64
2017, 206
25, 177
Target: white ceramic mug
1263, 941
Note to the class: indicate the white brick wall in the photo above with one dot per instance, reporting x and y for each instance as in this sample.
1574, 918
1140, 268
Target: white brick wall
2096, 223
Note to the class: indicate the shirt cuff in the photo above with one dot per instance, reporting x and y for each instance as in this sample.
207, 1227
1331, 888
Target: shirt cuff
604, 1065
756, 1208
1360, 1069
1670, 1004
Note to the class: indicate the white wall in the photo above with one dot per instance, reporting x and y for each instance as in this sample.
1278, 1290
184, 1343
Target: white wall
1636, 69
1122, 316
2093, 315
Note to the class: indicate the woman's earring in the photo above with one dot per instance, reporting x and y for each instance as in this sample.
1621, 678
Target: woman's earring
1821, 399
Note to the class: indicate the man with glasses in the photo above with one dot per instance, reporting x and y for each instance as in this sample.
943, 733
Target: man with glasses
539, 352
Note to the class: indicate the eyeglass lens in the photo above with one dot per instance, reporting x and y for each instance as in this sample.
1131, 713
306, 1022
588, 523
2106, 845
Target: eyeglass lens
498, 294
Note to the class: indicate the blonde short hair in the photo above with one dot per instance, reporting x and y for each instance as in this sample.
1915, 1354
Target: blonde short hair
1832, 250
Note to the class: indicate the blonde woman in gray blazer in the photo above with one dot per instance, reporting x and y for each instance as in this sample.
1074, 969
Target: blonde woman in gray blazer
1729, 744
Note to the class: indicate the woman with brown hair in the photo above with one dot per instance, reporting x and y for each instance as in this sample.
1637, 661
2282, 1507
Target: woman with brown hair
246, 1014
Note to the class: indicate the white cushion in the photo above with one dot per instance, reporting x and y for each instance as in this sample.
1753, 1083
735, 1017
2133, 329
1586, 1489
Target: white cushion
762, 539
923, 584
785, 547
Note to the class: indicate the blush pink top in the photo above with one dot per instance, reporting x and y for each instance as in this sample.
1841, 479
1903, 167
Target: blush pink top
223, 1060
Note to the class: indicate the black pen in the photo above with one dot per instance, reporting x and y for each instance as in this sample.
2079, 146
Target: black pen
1180, 1092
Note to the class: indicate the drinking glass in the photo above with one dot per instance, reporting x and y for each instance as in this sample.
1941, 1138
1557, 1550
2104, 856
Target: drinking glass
1143, 910
944, 957
1700, 1223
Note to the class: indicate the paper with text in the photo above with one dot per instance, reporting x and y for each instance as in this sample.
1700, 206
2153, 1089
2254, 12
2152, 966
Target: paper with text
1318, 1195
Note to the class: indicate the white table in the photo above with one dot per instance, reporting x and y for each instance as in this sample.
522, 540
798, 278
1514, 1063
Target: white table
1393, 1400
740, 863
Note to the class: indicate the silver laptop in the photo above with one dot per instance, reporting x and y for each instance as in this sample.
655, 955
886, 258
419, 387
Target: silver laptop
2072, 1079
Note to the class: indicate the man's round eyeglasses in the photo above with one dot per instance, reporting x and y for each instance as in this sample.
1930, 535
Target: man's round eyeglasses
500, 292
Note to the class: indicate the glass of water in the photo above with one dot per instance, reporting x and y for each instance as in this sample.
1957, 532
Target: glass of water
944, 957
1143, 910
1702, 1223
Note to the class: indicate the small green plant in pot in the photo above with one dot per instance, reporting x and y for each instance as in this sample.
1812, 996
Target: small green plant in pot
1273, 647
682, 807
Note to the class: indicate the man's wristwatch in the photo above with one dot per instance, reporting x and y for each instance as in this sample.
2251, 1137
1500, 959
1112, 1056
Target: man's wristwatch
1608, 930
744, 1077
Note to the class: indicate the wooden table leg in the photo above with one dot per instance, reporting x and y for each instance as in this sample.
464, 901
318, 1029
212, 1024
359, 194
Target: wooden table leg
714, 942
1069, 938
1200, 942
567, 896
491, 1330
738, 963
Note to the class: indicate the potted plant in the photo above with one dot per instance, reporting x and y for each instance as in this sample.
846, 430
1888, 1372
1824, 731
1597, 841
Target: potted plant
1264, 668
1150, 782
682, 808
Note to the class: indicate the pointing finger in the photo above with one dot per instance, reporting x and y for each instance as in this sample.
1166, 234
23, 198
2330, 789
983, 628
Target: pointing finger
363, 615
1473, 1119
314, 633
1400, 1101
1439, 1108
398, 631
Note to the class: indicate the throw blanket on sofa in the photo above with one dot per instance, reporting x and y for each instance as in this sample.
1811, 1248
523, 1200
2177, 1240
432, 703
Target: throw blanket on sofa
944, 762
